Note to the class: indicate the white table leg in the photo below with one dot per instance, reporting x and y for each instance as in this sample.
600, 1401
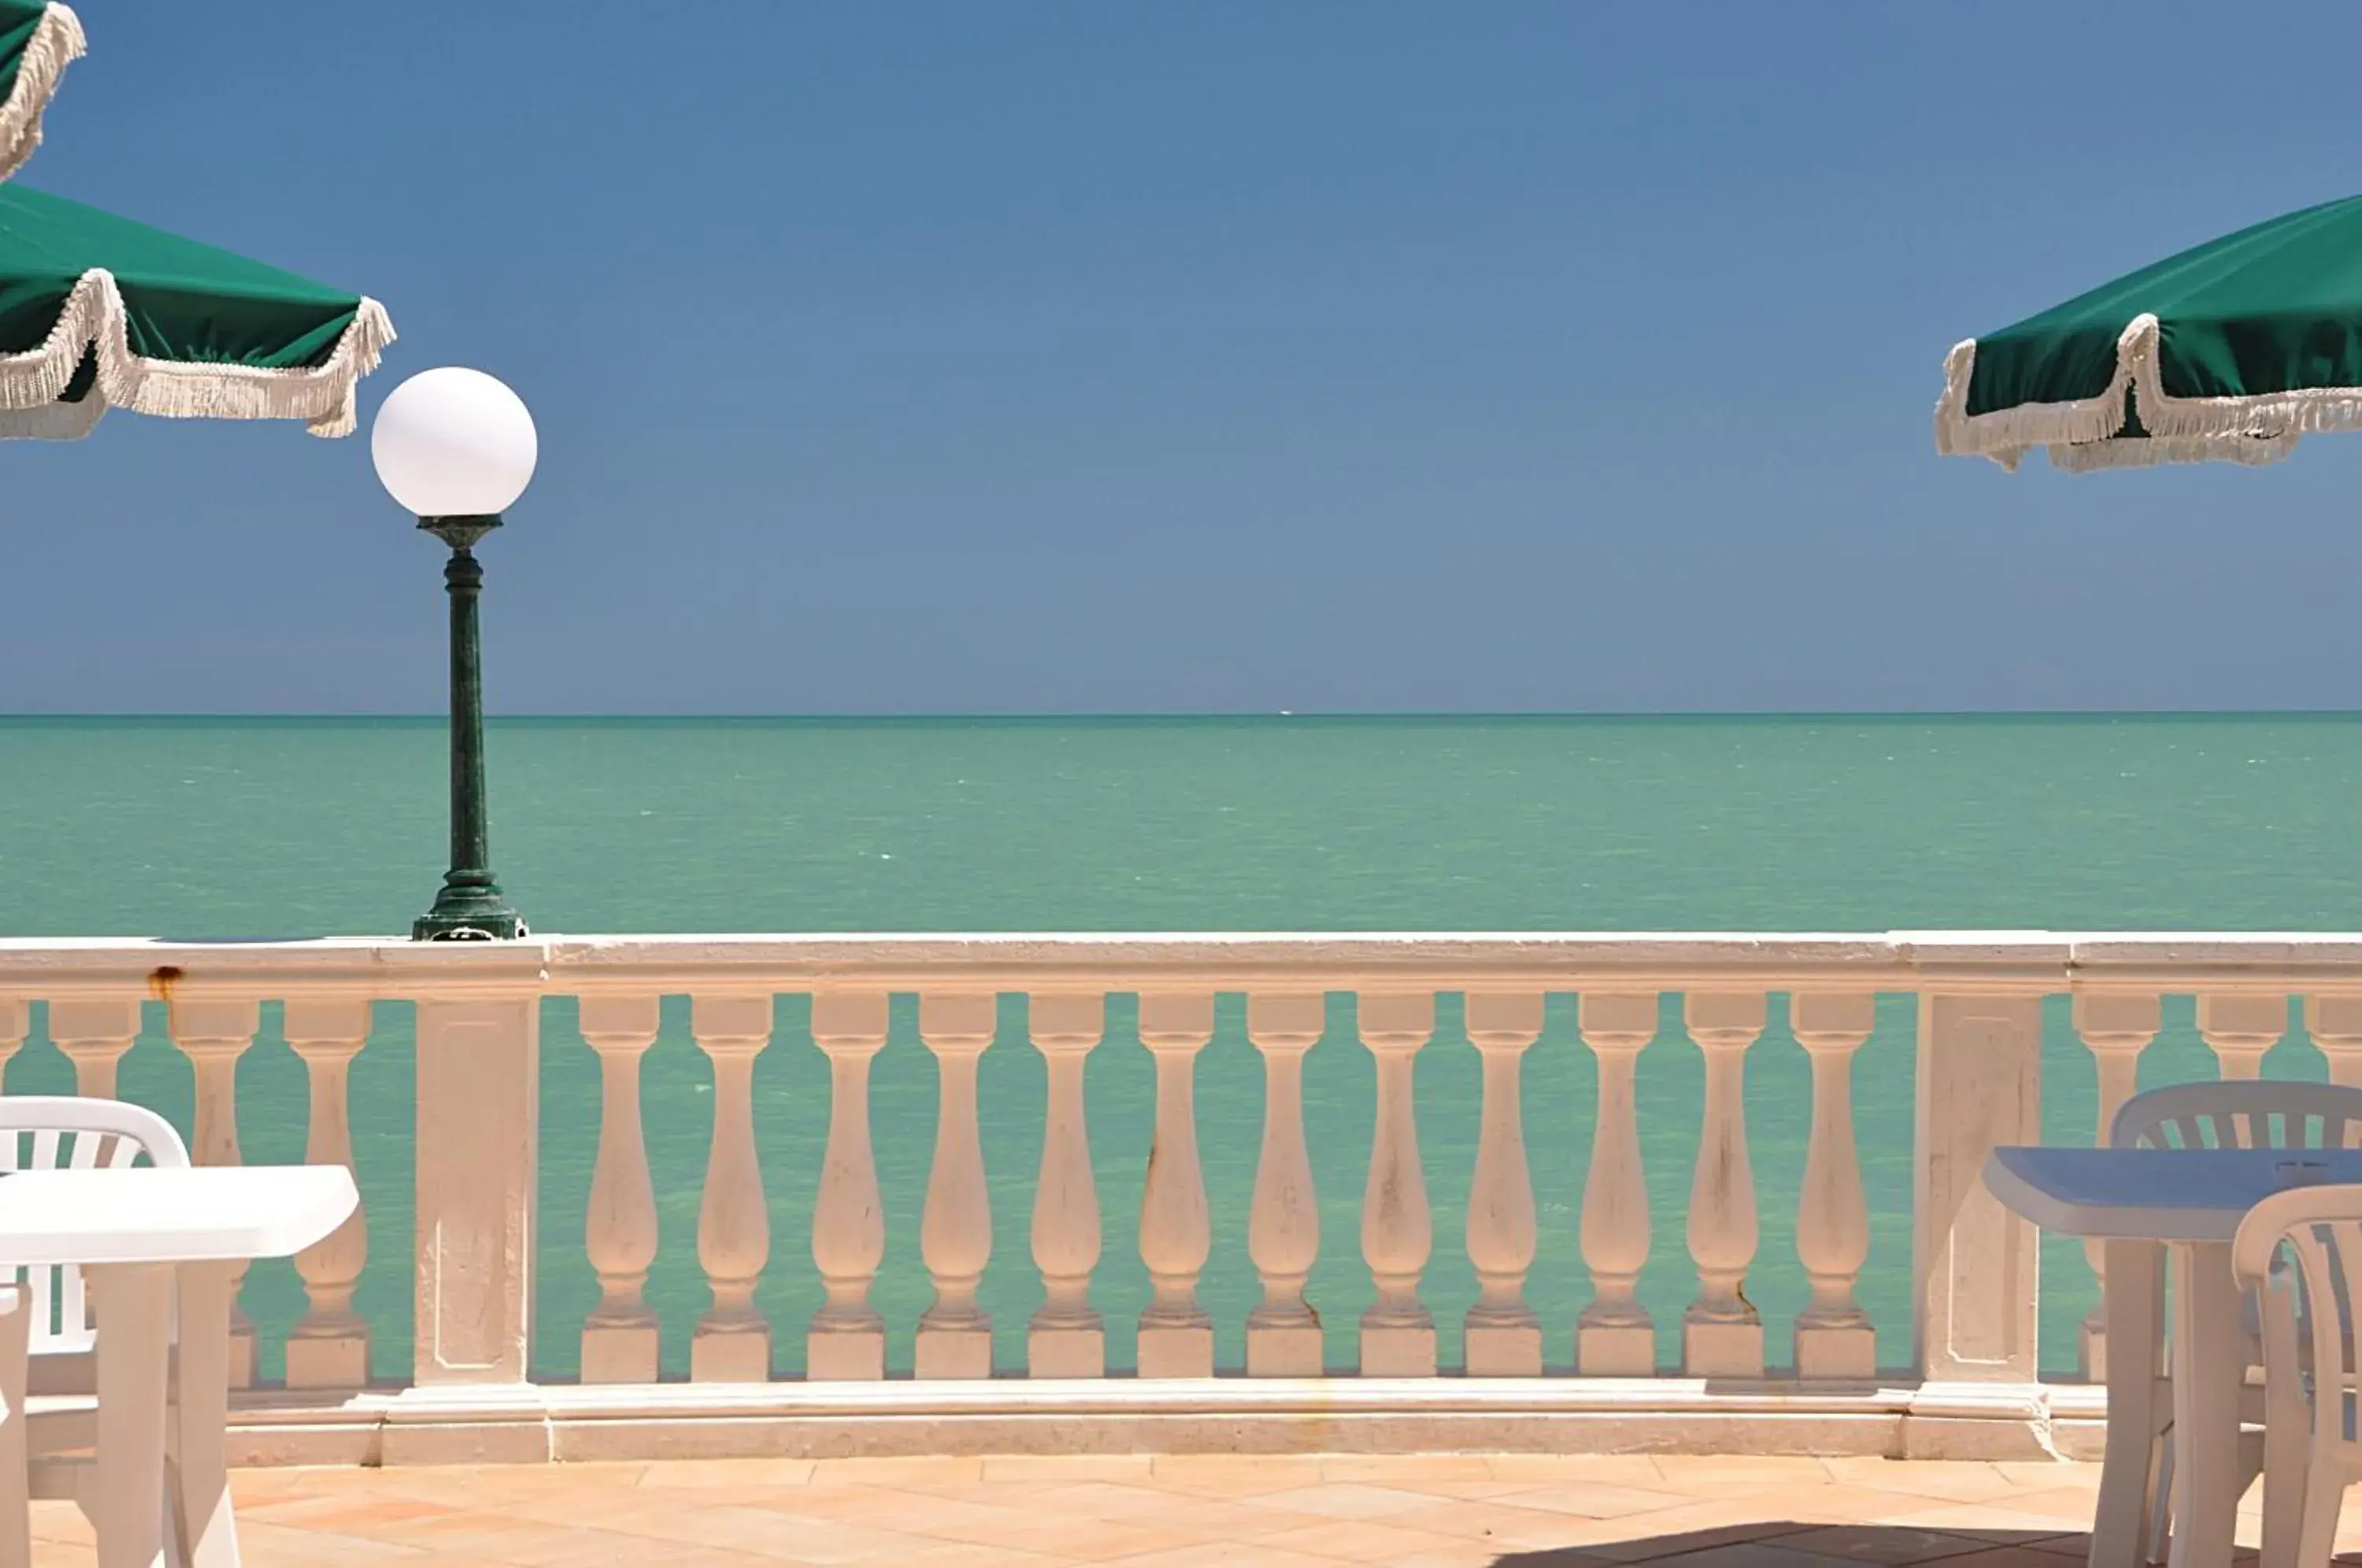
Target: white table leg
2207, 1371
2135, 1305
132, 1302
210, 1538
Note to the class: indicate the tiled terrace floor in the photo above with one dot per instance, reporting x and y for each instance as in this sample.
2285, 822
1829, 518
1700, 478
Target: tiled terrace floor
1452, 1511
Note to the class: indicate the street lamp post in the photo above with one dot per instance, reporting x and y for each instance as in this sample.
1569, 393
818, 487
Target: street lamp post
457, 449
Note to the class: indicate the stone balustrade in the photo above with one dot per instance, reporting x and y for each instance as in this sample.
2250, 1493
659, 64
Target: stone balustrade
1507, 1374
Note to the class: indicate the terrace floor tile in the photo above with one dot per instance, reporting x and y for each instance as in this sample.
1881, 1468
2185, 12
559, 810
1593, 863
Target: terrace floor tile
1132, 1511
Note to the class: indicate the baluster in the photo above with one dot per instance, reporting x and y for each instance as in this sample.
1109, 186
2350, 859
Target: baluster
847, 1338
1177, 1336
213, 1034
1397, 1230
1613, 1337
2335, 1023
1066, 1338
955, 1233
2240, 1029
1833, 1335
620, 1231
94, 1033
1503, 1336
15, 1024
733, 1341
2115, 1030
1722, 1333
329, 1347
1284, 1230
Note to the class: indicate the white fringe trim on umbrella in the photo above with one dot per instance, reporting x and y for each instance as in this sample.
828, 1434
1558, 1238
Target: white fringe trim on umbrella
57, 42
2080, 434
2252, 451
92, 321
54, 421
2150, 452
2006, 434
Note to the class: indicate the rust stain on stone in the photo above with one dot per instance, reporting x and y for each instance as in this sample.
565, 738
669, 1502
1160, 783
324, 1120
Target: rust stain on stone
161, 980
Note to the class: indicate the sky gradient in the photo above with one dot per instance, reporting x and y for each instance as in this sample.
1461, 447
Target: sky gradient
1035, 358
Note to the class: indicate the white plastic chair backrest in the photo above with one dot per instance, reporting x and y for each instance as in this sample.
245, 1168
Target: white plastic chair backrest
2322, 1227
2242, 1114
67, 1133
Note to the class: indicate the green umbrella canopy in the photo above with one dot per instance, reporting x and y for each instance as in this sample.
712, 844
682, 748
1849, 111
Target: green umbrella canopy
2232, 352
99, 311
37, 43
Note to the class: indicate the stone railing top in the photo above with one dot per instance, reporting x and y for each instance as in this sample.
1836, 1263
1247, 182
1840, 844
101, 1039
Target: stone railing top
1897, 961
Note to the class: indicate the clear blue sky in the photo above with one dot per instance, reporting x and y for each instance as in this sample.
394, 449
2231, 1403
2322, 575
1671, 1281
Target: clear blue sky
1055, 358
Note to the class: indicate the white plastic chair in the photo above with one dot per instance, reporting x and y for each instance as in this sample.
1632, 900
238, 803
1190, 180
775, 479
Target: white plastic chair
2244, 1114
2311, 1452
15, 1518
47, 1341
2241, 1114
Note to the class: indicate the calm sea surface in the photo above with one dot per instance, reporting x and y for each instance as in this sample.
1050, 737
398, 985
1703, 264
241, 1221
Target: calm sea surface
219, 828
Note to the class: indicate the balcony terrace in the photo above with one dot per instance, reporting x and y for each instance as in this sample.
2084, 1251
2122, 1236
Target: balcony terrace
1871, 1386
478, 1381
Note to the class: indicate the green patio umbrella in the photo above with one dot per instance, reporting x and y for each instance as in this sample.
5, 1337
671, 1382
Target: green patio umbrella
99, 311
2229, 352
37, 43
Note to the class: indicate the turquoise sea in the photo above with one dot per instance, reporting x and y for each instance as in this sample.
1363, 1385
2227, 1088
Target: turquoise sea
246, 827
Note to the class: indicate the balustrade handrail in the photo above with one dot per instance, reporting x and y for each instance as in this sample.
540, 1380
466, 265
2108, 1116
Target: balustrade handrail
1977, 1083
393, 967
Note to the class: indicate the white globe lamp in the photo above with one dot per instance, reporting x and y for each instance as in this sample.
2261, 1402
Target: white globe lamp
457, 449
453, 443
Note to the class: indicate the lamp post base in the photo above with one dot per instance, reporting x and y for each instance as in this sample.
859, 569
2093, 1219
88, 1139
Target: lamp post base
506, 926
467, 914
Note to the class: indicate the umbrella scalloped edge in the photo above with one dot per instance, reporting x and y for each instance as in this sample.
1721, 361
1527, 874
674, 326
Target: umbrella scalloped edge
32, 382
2082, 437
57, 42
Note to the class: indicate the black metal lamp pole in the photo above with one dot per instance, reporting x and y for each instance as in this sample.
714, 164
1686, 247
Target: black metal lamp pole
470, 906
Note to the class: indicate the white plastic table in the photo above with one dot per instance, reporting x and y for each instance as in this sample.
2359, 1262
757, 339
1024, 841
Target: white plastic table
2139, 1202
137, 1234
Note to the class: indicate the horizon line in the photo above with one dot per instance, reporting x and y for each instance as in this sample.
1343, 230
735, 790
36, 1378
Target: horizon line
1211, 715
